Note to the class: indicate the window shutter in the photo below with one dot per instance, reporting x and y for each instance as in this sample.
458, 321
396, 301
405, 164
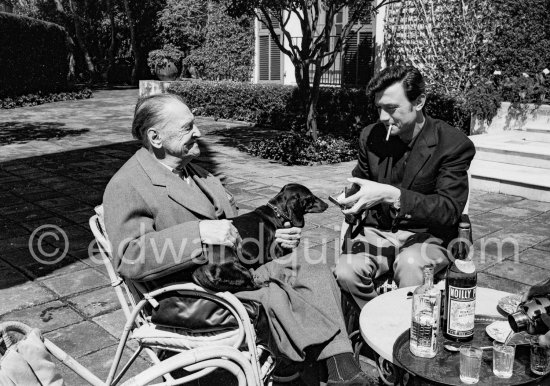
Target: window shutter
270, 59
358, 58
264, 57
275, 60
364, 58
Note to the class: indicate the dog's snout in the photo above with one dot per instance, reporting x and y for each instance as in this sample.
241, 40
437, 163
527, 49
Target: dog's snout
318, 206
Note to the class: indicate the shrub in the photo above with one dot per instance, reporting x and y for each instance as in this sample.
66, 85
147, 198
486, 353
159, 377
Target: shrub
298, 149
34, 56
40, 98
228, 49
340, 111
521, 37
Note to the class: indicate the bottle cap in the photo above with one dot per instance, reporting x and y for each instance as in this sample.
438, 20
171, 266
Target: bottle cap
464, 225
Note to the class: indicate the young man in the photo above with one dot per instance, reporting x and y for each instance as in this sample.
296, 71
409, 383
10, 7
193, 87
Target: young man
412, 183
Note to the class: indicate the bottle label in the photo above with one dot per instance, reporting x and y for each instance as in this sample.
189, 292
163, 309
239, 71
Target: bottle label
461, 311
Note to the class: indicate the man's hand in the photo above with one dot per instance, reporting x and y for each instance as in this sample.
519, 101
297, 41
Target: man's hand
369, 194
544, 340
288, 237
219, 232
537, 290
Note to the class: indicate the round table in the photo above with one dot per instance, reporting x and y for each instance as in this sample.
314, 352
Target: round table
385, 318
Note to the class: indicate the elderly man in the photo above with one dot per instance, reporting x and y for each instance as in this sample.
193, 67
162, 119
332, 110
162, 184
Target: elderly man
410, 188
159, 202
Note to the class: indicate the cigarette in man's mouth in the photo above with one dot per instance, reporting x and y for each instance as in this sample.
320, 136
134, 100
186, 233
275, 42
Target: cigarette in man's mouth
389, 131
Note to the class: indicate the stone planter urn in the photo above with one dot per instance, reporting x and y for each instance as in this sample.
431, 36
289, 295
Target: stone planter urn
168, 71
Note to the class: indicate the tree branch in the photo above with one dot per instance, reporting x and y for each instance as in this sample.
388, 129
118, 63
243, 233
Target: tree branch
269, 24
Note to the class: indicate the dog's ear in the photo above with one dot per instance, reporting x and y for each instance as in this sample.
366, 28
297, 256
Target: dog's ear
295, 210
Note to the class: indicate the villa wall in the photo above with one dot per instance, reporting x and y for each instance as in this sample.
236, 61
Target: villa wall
525, 117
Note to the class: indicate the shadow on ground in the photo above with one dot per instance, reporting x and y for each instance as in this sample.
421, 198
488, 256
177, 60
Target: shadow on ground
23, 132
57, 192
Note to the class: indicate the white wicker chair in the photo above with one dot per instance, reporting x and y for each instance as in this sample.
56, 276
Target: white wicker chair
207, 350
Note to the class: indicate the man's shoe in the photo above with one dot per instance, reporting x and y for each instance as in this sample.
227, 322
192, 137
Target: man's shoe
360, 379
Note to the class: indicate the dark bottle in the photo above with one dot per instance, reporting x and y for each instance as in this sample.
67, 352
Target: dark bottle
460, 289
532, 316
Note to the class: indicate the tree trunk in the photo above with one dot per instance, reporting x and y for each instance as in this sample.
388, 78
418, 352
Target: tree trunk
309, 100
112, 46
70, 43
312, 114
135, 45
312, 103
80, 40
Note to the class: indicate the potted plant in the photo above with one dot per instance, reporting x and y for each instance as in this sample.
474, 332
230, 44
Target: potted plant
165, 62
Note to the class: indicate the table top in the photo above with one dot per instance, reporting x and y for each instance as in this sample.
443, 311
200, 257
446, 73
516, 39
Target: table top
387, 316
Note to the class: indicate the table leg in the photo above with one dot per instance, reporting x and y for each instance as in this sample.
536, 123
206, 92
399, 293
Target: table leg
389, 373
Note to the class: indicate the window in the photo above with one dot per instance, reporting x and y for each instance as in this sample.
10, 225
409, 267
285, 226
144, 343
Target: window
358, 58
270, 60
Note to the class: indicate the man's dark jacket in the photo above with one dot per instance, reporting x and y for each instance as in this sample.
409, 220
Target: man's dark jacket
434, 187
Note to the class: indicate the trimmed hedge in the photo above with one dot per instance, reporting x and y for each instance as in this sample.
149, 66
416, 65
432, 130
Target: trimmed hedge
40, 98
298, 149
277, 106
33, 56
341, 111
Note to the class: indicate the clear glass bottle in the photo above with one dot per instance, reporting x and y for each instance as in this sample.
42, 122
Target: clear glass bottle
426, 303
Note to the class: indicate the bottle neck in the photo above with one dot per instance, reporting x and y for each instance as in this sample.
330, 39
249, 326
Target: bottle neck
428, 277
464, 244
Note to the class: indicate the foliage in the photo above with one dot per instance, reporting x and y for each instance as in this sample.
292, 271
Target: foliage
314, 50
449, 109
34, 56
524, 88
41, 98
160, 58
341, 111
521, 38
93, 18
228, 49
480, 60
298, 149
449, 52
183, 23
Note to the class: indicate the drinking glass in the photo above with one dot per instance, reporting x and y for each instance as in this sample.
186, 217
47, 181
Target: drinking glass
503, 359
539, 357
470, 363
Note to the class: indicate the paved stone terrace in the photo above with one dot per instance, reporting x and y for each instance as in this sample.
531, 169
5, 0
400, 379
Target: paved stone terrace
58, 176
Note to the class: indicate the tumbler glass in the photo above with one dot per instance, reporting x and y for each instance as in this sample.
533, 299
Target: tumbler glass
470, 363
503, 359
539, 357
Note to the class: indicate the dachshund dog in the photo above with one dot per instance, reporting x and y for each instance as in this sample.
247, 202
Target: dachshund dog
229, 269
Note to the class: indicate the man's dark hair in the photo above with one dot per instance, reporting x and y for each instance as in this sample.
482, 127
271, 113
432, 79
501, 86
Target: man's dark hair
148, 113
410, 77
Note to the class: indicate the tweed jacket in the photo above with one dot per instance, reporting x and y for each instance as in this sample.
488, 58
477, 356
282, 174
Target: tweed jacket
152, 217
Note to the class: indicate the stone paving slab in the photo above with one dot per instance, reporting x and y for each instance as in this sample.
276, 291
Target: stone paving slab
58, 181
47, 317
